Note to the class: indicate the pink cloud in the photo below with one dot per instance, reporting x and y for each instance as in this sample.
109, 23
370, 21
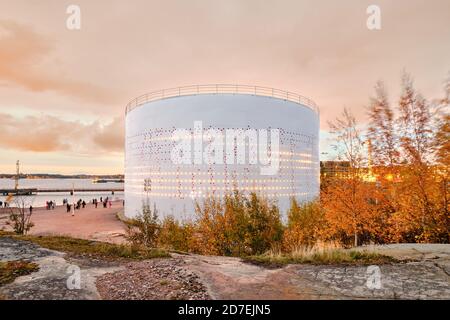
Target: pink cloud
21, 63
48, 134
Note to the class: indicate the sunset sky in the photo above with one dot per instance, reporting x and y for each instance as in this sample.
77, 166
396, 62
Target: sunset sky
63, 92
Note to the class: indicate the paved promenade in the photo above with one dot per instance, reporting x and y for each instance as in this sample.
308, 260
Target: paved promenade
88, 223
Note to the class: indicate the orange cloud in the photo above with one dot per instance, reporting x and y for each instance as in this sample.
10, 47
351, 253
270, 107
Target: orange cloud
22, 63
47, 134
111, 136
319, 49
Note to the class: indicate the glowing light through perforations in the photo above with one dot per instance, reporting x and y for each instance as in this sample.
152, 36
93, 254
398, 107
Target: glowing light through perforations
180, 183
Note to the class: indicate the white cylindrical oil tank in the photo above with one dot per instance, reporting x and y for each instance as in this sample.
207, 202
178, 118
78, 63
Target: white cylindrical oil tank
185, 144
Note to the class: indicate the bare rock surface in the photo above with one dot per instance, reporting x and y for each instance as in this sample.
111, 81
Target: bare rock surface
231, 278
55, 272
423, 273
415, 280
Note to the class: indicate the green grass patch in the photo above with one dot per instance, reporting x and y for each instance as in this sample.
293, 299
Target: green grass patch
10, 270
92, 248
320, 257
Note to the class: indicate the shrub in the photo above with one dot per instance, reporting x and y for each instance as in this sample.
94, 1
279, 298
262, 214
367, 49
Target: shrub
264, 224
210, 227
176, 235
143, 230
20, 215
238, 225
305, 225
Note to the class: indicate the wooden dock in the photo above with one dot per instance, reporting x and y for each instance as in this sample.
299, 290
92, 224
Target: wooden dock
18, 192
31, 191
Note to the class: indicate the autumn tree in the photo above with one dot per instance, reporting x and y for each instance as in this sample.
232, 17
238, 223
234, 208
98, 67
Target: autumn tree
305, 225
417, 216
349, 142
384, 152
442, 141
442, 155
415, 124
442, 137
381, 129
344, 199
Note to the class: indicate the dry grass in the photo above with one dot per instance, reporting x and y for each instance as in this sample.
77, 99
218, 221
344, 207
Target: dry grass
319, 255
91, 248
10, 270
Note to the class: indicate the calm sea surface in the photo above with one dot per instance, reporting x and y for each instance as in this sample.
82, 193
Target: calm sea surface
40, 199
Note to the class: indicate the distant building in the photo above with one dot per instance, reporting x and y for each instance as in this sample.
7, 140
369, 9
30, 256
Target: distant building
334, 169
342, 169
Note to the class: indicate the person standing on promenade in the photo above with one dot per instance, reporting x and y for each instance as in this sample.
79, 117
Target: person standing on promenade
31, 210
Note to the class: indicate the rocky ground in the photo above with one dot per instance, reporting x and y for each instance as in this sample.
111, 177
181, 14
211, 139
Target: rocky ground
99, 279
55, 270
157, 279
422, 274
425, 277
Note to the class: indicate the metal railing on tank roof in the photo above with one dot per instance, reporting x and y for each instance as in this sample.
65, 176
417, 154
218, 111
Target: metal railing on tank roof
220, 88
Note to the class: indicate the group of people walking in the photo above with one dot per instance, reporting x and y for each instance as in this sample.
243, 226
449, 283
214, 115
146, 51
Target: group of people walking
81, 204
105, 202
50, 205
